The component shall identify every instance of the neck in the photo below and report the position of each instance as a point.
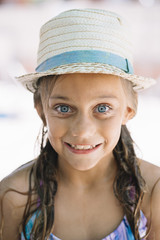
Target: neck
(103, 172)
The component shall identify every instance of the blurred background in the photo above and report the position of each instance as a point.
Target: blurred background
(20, 21)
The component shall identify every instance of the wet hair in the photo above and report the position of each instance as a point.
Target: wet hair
(129, 185)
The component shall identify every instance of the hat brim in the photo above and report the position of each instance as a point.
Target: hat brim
(29, 81)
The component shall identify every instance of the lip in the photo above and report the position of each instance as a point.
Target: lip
(82, 151)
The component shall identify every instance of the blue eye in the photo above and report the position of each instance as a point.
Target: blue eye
(103, 108)
(63, 108)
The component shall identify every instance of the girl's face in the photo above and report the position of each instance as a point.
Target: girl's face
(84, 117)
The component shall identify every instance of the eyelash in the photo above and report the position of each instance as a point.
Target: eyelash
(72, 110)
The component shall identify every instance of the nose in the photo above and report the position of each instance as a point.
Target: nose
(83, 127)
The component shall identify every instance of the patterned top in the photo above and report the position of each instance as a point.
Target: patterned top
(122, 232)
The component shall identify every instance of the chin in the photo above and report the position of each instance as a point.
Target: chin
(83, 167)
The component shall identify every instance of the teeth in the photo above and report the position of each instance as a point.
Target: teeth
(83, 147)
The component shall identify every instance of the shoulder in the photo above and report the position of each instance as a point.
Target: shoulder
(18, 180)
(13, 199)
(151, 205)
(150, 173)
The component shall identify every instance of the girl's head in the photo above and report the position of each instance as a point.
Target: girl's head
(84, 114)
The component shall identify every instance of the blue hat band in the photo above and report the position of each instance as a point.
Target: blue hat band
(86, 56)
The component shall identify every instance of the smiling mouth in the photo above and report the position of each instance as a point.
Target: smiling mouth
(83, 147)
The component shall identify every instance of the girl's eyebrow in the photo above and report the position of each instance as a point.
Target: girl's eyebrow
(59, 97)
(108, 96)
(67, 98)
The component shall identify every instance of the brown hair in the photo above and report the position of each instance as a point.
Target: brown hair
(129, 186)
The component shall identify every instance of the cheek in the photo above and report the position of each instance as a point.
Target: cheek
(56, 128)
(111, 130)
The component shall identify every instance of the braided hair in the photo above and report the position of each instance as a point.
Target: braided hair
(129, 185)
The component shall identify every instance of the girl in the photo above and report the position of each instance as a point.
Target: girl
(87, 183)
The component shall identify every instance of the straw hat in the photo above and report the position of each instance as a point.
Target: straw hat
(85, 41)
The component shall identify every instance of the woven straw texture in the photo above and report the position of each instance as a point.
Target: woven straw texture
(85, 29)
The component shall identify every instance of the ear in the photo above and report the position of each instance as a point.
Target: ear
(39, 108)
(129, 114)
